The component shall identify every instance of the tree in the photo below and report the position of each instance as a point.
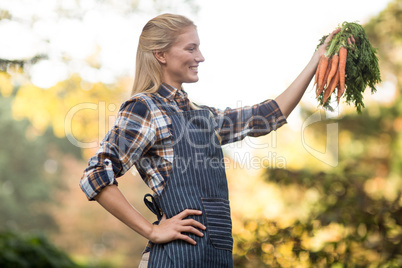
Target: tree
(73, 12)
(354, 219)
(29, 166)
(33, 251)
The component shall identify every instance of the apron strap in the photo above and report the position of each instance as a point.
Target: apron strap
(153, 206)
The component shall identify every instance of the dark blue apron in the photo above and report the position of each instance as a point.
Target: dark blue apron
(197, 181)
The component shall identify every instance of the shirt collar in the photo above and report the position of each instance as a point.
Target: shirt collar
(169, 92)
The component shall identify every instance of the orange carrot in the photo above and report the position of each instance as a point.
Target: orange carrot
(342, 65)
(331, 87)
(317, 72)
(321, 73)
(324, 86)
(327, 72)
(334, 68)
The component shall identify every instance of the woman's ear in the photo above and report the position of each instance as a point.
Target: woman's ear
(160, 56)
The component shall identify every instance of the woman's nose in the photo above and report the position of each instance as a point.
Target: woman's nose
(200, 57)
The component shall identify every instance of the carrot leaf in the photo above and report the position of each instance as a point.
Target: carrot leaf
(362, 69)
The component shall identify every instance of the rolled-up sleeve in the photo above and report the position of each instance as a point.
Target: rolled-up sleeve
(132, 135)
(257, 120)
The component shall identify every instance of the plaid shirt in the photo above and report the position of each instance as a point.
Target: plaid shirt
(141, 135)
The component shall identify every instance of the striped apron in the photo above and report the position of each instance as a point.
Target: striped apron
(197, 181)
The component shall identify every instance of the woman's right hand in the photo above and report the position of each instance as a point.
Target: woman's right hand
(173, 228)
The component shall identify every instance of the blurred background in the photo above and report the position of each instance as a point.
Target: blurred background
(322, 191)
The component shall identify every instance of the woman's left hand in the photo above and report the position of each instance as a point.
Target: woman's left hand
(323, 48)
(288, 100)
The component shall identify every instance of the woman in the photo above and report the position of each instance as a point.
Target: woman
(176, 147)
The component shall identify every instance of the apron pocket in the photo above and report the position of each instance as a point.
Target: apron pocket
(219, 223)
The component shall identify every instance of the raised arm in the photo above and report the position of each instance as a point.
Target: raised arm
(288, 99)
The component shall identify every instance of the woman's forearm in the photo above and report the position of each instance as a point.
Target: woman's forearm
(288, 99)
(113, 200)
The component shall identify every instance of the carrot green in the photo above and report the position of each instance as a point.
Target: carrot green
(362, 68)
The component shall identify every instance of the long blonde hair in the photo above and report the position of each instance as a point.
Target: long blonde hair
(158, 34)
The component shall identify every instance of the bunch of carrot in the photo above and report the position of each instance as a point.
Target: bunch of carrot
(330, 75)
(348, 66)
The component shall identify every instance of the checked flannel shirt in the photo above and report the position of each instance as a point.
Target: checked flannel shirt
(142, 130)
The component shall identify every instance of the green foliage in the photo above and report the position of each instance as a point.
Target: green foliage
(367, 230)
(385, 31)
(21, 163)
(358, 214)
(26, 187)
(362, 69)
(31, 251)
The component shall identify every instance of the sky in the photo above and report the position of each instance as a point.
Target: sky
(253, 49)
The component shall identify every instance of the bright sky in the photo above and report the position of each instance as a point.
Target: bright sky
(253, 49)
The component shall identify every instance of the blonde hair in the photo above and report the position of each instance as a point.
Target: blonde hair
(158, 34)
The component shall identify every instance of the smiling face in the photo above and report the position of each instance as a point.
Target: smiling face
(180, 63)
